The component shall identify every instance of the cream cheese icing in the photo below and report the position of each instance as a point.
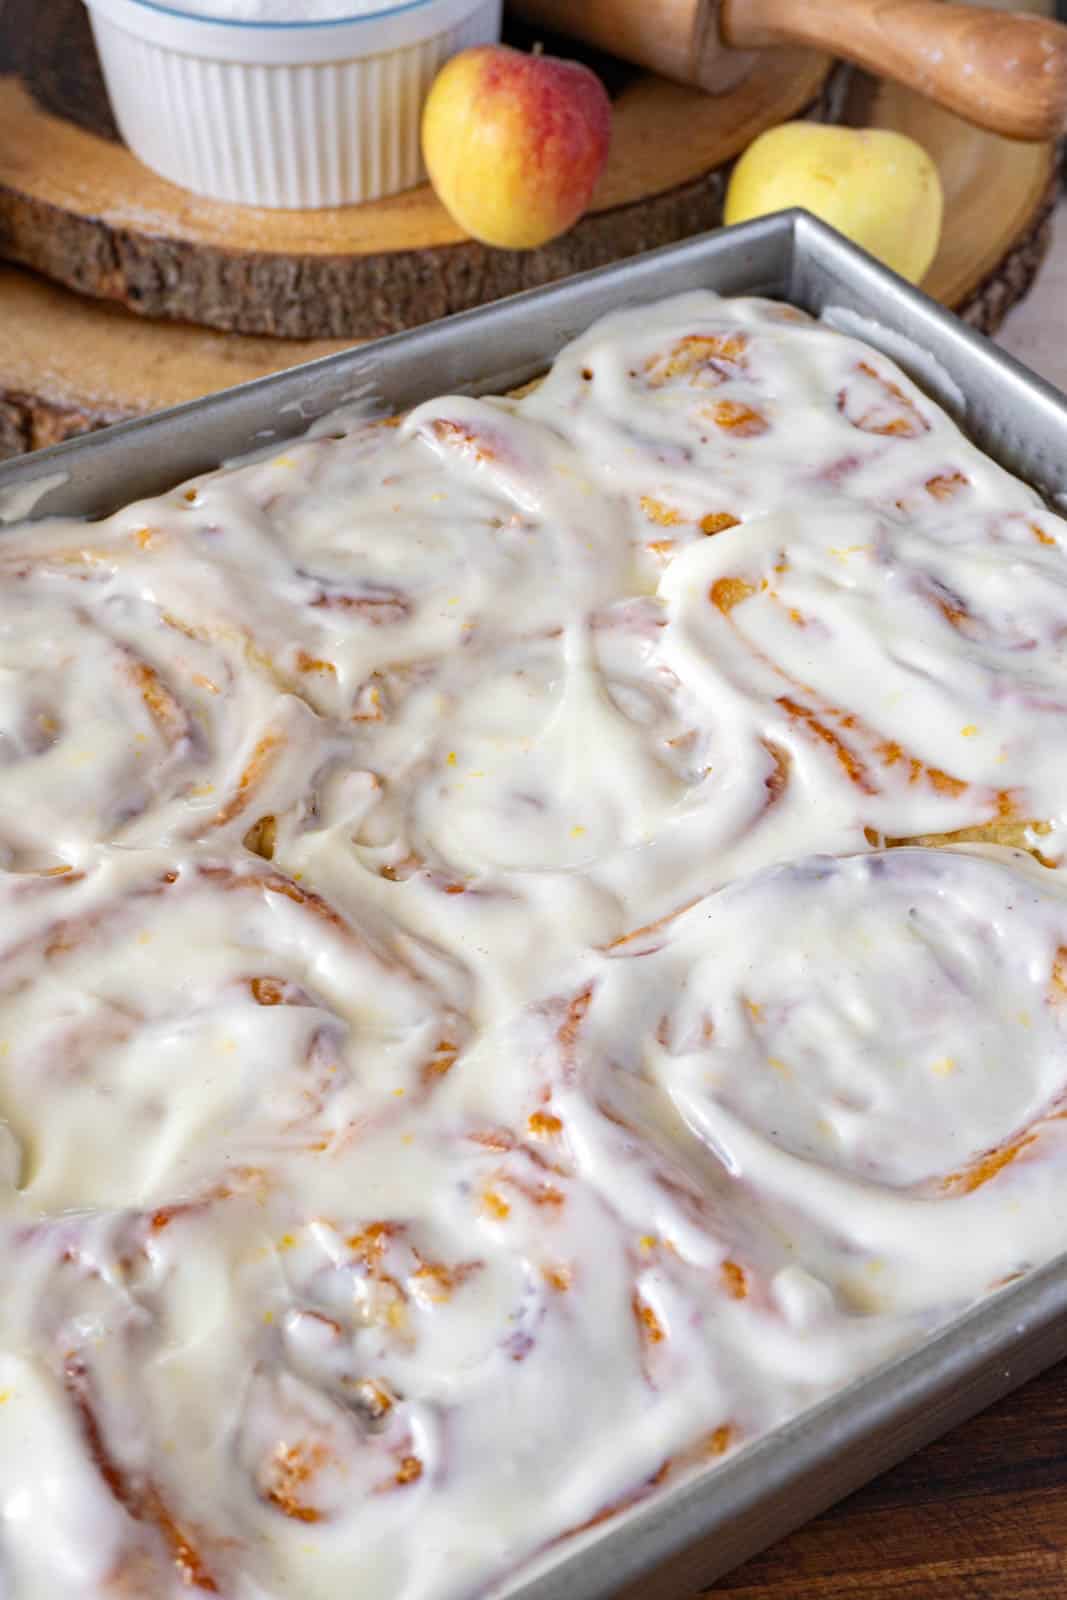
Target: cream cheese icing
(533, 948)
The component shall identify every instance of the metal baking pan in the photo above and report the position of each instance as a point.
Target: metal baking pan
(683, 1538)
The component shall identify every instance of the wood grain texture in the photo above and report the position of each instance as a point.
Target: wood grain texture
(83, 211)
(998, 196)
(66, 209)
(69, 364)
(979, 1515)
(78, 207)
(1009, 282)
(676, 38)
(1003, 71)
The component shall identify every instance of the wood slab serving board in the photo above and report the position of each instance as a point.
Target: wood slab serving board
(68, 363)
(76, 206)
(83, 210)
(133, 279)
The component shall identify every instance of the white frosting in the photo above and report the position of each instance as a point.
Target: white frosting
(578, 1088)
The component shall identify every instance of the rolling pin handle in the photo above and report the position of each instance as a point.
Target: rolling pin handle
(1003, 70)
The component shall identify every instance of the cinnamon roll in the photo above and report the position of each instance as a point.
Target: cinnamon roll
(873, 1045)
(533, 947)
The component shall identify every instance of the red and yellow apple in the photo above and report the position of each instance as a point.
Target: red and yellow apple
(514, 143)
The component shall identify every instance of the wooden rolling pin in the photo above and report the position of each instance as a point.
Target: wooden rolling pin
(1002, 70)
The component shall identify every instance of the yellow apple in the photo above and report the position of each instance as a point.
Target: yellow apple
(514, 143)
(878, 188)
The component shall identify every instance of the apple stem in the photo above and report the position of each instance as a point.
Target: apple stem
(538, 48)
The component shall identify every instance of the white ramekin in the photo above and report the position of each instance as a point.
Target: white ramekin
(282, 114)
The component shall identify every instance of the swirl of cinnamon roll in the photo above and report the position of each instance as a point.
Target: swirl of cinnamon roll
(373, 1123)
(951, 712)
(873, 1047)
(305, 1366)
(287, 1323)
(378, 549)
(701, 413)
(121, 722)
(215, 1012)
(547, 737)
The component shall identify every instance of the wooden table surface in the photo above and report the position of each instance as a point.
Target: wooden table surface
(979, 1515)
